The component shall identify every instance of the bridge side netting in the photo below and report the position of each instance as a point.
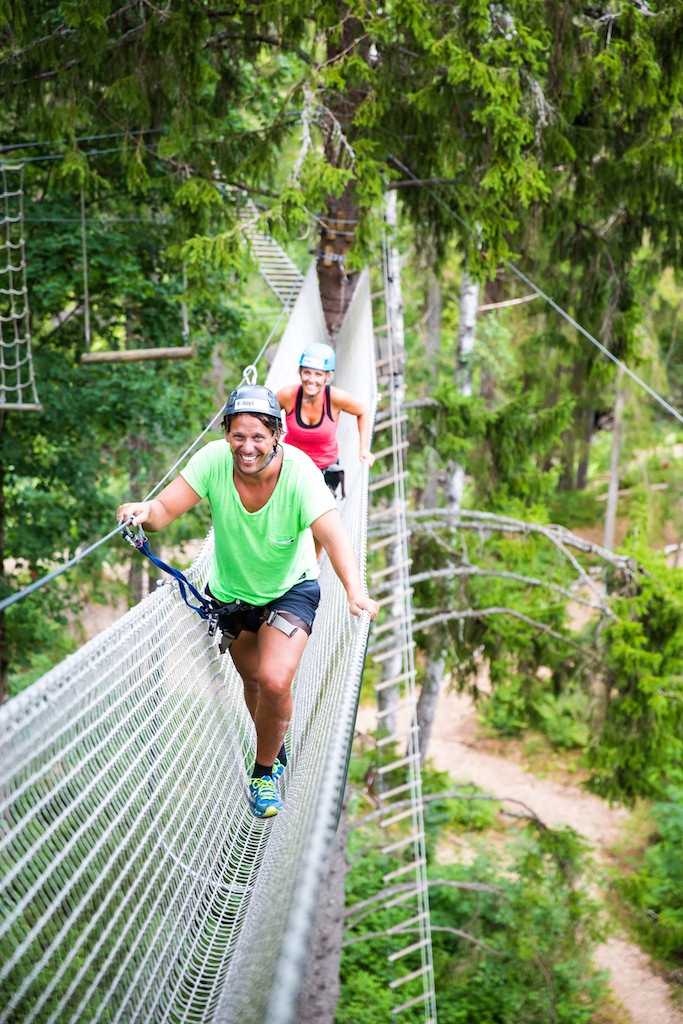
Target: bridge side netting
(135, 884)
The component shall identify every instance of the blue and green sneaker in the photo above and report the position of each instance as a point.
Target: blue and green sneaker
(263, 798)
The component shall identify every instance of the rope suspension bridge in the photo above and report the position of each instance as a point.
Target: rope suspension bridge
(135, 884)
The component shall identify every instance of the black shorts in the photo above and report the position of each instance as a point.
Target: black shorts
(300, 603)
(334, 476)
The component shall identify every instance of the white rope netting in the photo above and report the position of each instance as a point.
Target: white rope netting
(17, 383)
(135, 884)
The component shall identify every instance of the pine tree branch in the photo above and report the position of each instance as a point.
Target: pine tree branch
(62, 31)
(247, 37)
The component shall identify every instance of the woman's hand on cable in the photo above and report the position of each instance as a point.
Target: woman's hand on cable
(362, 603)
(134, 512)
(365, 455)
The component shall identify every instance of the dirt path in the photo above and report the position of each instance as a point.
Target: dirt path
(644, 995)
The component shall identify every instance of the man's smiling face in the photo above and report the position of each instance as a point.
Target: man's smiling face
(251, 443)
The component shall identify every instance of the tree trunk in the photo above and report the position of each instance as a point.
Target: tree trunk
(338, 224)
(588, 425)
(335, 282)
(136, 580)
(432, 347)
(571, 443)
(320, 988)
(469, 300)
(429, 695)
(493, 292)
(428, 700)
(613, 490)
(387, 697)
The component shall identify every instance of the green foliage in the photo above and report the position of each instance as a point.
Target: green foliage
(459, 813)
(521, 702)
(67, 468)
(535, 965)
(575, 509)
(512, 945)
(506, 449)
(655, 889)
(639, 741)
(37, 639)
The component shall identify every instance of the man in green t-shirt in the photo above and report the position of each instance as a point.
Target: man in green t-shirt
(264, 496)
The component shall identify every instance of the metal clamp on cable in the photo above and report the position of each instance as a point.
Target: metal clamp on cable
(136, 540)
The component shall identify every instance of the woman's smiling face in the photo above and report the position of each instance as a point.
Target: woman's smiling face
(313, 381)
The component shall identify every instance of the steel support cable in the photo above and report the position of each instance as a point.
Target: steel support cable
(36, 144)
(551, 302)
(103, 540)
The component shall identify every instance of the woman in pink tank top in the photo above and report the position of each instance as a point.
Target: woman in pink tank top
(312, 410)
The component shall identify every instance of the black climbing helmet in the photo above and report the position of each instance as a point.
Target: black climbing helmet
(256, 400)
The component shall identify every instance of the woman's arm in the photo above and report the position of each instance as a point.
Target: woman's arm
(175, 499)
(344, 401)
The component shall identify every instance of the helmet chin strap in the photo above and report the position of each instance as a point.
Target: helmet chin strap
(268, 460)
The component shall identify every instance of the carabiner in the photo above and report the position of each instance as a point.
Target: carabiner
(135, 540)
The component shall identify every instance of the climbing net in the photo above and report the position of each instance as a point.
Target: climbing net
(17, 383)
(135, 885)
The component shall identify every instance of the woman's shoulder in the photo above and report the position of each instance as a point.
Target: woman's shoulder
(345, 401)
(287, 395)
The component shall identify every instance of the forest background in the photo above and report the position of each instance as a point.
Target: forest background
(525, 141)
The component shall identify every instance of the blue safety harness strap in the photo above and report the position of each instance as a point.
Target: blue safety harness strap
(216, 613)
(205, 608)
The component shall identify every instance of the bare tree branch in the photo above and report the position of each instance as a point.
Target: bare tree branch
(419, 625)
(412, 183)
(474, 570)
(507, 302)
(449, 794)
(558, 535)
(395, 890)
(434, 928)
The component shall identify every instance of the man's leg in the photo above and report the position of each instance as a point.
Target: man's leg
(244, 653)
(267, 662)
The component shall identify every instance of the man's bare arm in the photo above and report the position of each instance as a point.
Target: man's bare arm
(329, 531)
(175, 499)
